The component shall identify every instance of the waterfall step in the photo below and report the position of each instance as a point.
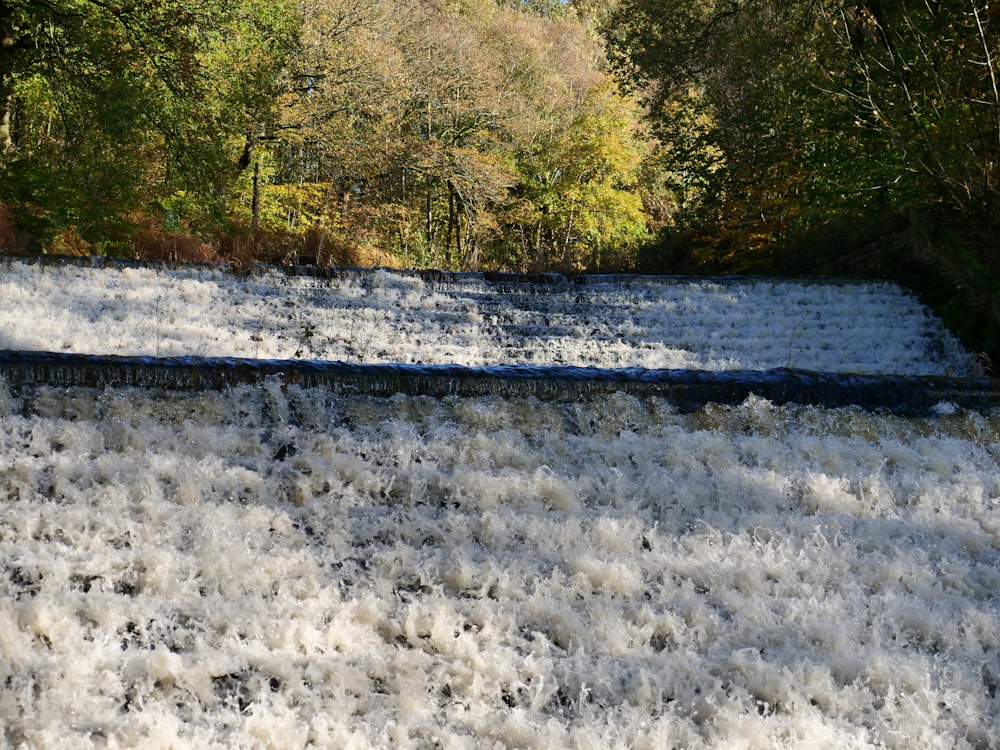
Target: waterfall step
(477, 320)
(685, 389)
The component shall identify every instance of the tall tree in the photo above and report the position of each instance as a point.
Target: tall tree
(921, 82)
(728, 85)
(449, 139)
(781, 116)
(108, 105)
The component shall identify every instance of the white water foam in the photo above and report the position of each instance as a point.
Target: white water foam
(868, 328)
(276, 567)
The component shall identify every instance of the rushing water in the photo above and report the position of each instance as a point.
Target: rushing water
(258, 553)
(382, 317)
(278, 566)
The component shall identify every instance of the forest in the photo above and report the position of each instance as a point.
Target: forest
(852, 137)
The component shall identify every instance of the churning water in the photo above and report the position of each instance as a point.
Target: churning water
(271, 565)
(467, 320)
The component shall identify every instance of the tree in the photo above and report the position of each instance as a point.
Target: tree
(108, 106)
(921, 83)
(780, 117)
(435, 142)
(453, 133)
(728, 86)
(579, 205)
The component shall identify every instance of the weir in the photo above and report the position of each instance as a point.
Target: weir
(473, 320)
(686, 389)
(213, 551)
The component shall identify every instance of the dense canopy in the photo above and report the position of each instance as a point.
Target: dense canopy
(520, 135)
(409, 132)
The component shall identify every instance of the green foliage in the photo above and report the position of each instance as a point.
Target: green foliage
(456, 134)
(110, 108)
(579, 204)
(778, 118)
(462, 135)
(477, 133)
(921, 83)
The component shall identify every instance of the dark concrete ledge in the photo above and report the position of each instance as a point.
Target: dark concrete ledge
(686, 389)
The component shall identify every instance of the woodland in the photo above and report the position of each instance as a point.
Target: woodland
(843, 137)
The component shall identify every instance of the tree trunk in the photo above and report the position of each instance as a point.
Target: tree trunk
(12, 41)
(255, 201)
(429, 229)
(451, 220)
(567, 237)
(7, 136)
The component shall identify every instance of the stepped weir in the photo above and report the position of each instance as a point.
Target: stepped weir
(685, 389)
(440, 510)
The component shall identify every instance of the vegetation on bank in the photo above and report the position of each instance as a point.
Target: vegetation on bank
(455, 134)
(853, 137)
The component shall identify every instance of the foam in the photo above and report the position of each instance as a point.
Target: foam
(867, 328)
(281, 567)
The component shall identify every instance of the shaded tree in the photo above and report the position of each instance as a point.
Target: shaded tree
(109, 106)
(780, 117)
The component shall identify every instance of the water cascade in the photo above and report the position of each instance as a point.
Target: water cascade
(380, 317)
(512, 551)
